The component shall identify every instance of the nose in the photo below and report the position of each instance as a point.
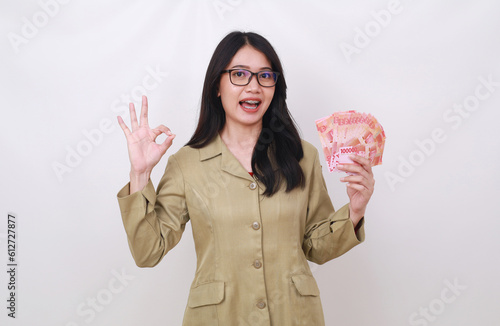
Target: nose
(253, 85)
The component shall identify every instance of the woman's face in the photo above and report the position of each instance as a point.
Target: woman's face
(246, 105)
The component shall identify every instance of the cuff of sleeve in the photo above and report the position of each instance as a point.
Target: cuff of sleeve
(357, 232)
(128, 201)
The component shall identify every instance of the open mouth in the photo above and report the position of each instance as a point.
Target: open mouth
(250, 104)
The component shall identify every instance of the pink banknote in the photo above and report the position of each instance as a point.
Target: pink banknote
(350, 132)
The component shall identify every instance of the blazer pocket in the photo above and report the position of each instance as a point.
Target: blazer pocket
(206, 294)
(306, 285)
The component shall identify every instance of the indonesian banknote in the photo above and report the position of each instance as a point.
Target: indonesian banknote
(350, 132)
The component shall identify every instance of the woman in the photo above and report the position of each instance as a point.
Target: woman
(254, 193)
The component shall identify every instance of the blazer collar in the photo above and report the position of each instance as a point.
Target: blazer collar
(212, 149)
(229, 163)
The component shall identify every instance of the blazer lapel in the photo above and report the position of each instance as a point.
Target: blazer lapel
(229, 163)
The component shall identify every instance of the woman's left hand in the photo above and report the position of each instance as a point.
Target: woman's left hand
(360, 185)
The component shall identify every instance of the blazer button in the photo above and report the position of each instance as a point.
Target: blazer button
(256, 225)
(253, 185)
(257, 264)
(261, 305)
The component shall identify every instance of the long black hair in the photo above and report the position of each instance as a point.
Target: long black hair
(278, 150)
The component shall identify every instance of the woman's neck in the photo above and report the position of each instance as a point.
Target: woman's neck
(241, 138)
(241, 143)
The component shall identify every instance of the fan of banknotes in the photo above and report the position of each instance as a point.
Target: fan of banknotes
(350, 132)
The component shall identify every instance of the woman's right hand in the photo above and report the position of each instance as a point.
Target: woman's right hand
(143, 151)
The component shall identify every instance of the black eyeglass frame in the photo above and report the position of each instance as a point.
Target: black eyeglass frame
(251, 76)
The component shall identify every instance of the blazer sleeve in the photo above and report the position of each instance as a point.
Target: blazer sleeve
(154, 221)
(328, 233)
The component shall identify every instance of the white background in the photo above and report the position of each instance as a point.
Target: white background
(433, 220)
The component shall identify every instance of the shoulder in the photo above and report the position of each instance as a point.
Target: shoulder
(310, 151)
(185, 157)
(183, 163)
(311, 165)
(308, 148)
(310, 160)
(186, 152)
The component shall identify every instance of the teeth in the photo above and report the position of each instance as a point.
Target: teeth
(250, 104)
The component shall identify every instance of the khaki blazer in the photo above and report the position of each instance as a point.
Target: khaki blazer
(251, 250)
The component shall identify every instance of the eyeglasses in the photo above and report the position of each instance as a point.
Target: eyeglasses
(242, 77)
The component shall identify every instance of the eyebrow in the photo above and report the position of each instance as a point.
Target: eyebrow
(247, 67)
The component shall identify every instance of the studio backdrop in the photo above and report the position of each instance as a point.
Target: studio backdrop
(427, 70)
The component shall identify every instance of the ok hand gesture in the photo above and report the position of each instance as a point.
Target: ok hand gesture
(144, 153)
